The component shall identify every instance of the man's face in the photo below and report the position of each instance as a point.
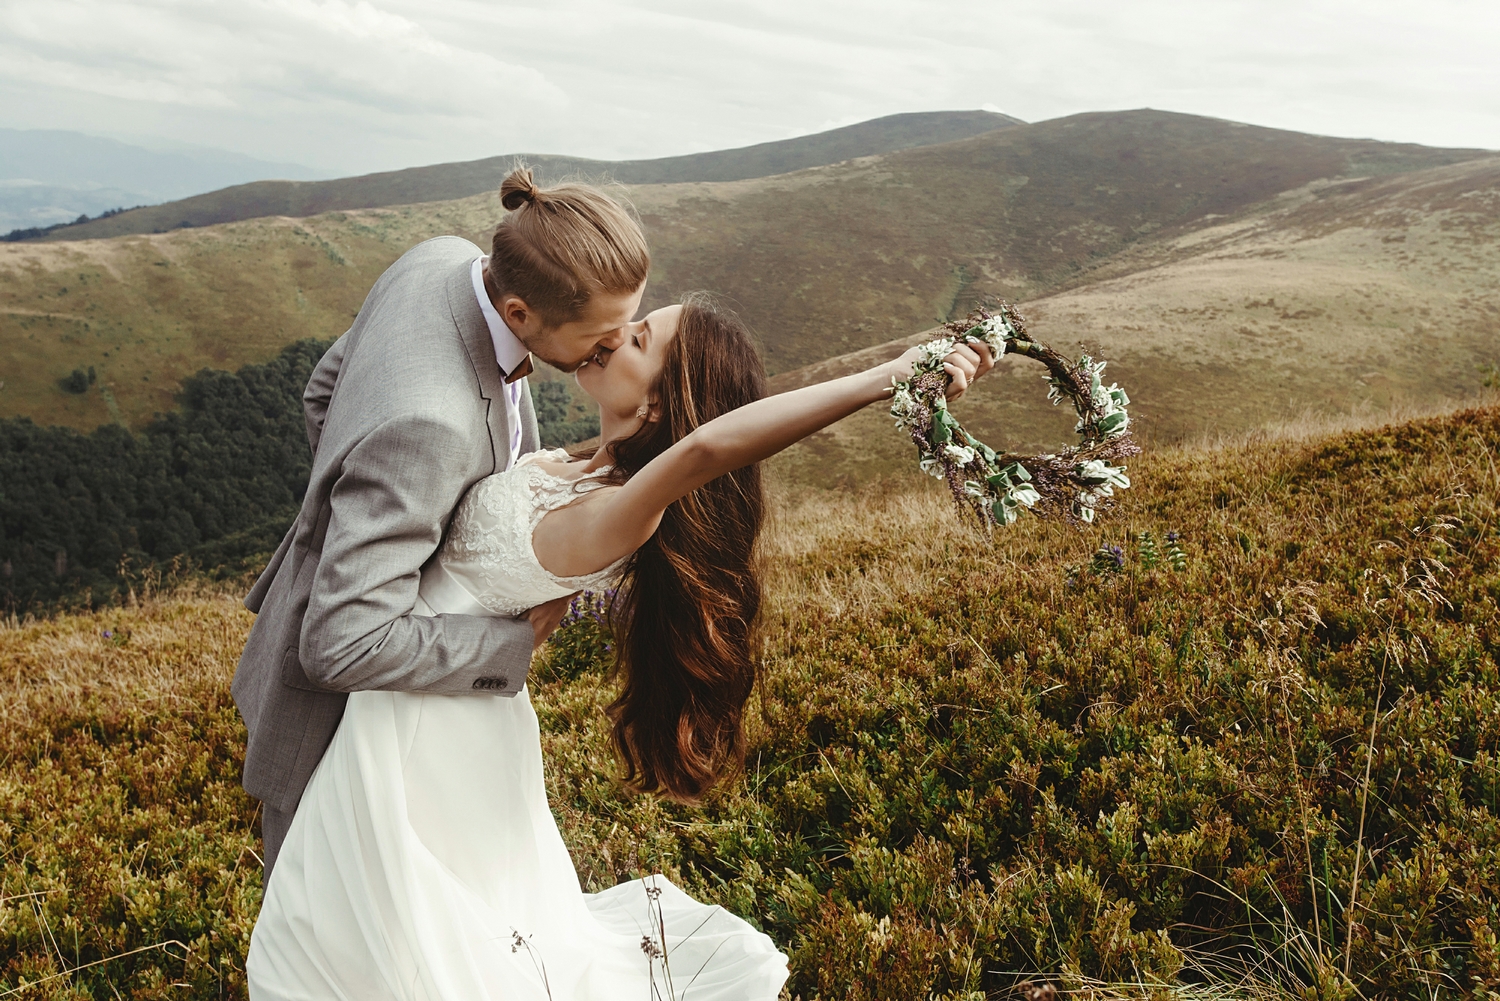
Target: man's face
(601, 325)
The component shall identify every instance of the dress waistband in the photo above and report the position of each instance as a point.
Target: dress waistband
(445, 595)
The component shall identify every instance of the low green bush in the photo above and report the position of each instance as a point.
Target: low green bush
(1253, 752)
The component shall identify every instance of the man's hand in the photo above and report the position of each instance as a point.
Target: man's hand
(544, 618)
(966, 362)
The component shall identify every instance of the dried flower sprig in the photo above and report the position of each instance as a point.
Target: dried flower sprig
(997, 487)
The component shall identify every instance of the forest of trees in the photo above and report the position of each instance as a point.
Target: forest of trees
(213, 485)
(216, 482)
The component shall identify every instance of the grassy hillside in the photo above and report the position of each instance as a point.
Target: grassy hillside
(447, 181)
(820, 262)
(856, 254)
(1360, 296)
(1274, 767)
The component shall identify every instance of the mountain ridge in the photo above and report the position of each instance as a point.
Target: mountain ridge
(835, 259)
(448, 181)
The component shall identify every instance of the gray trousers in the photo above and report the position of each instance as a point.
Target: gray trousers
(274, 824)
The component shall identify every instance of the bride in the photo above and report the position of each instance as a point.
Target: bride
(423, 861)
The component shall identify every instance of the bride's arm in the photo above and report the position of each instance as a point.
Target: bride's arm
(606, 531)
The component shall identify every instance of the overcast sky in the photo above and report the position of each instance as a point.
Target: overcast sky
(380, 84)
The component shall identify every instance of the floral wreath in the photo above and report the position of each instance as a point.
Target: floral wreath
(997, 487)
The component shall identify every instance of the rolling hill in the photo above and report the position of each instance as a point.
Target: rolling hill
(1368, 294)
(447, 181)
(1065, 215)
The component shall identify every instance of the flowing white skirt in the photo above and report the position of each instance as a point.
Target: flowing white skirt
(424, 864)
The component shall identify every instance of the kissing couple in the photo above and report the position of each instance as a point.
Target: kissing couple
(410, 853)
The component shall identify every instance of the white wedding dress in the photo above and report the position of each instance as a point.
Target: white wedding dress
(424, 864)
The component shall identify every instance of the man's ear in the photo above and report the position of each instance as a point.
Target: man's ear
(514, 311)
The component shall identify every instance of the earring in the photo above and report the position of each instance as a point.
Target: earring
(642, 412)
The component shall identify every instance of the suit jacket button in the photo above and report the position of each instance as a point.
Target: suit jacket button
(489, 684)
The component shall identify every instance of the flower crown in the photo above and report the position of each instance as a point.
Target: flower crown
(998, 487)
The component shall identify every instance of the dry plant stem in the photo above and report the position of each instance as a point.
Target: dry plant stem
(98, 962)
(1312, 883)
(1359, 841)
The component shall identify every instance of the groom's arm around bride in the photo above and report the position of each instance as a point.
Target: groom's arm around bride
(421, 398)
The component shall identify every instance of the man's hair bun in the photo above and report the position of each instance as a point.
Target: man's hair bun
(518, 189)
(558, 246)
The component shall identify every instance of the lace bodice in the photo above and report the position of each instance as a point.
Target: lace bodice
(487, 564)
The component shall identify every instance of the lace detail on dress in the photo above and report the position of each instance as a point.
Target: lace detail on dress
(488, 549)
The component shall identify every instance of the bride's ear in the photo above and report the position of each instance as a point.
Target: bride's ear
(650, 413)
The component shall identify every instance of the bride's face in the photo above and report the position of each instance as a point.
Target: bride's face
(620, 381)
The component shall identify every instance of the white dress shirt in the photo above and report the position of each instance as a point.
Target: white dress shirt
(509, 353)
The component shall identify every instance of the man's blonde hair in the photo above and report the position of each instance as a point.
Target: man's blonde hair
(561, 245)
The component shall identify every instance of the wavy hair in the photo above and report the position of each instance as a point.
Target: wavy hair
(686, 609)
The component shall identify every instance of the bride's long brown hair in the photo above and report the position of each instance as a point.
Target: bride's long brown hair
(686, 608)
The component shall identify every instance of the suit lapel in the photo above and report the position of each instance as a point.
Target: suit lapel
(476, 337)
(530, 439)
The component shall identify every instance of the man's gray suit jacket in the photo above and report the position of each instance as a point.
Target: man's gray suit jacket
(404, 413)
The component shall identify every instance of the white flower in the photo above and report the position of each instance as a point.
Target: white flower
(931, 466)
(1107, 477)
(995, 332)
(933, 353)
(903, 407)
(960, 454)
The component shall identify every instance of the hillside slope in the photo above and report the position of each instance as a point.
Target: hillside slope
(820, 262)
(1367, 294)
(447, 181)
(840, 258)
(1269, 771)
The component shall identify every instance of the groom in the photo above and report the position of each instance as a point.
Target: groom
(424, 395)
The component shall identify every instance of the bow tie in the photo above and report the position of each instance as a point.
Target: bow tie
(521, 371)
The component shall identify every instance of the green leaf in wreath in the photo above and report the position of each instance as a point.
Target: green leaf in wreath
(1113, 422)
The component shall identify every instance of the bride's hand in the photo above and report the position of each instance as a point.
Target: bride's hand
(966, 362)
(546, 617)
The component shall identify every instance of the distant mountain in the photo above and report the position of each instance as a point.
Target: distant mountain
(834, 259)
(49, 176)
(446, 181)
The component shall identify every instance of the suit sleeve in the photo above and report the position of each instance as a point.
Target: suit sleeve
(387, 515)
(319, 391)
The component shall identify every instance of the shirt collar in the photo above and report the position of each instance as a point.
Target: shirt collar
(509, 351)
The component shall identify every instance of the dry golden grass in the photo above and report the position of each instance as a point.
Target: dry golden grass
(163, 651)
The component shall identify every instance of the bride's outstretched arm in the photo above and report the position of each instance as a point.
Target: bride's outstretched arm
(622, 524)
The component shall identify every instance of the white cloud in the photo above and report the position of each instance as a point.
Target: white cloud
(386, 83)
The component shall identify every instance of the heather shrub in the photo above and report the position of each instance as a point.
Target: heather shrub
(1255, 748)
(128, 851)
